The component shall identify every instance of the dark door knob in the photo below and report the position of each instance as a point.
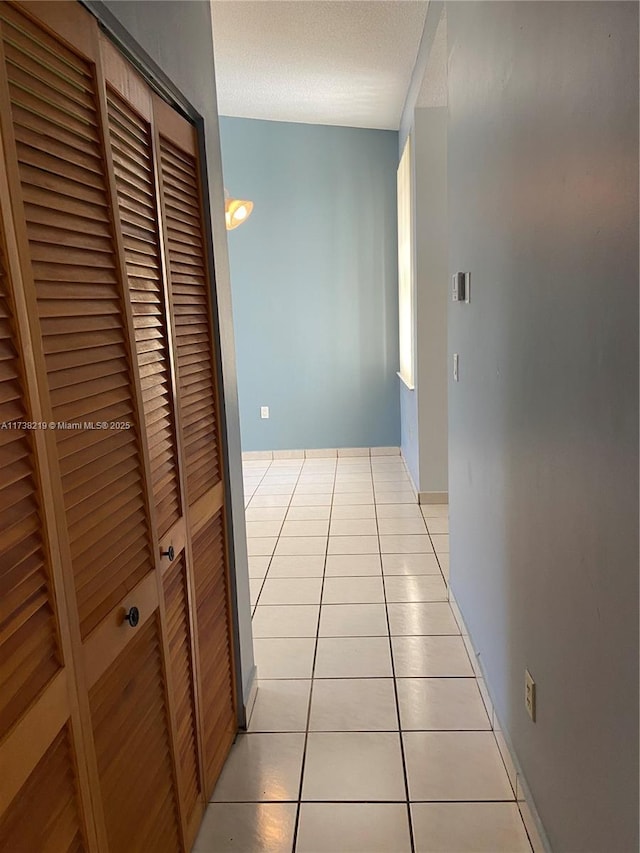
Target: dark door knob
(132, 616)
(170, 553)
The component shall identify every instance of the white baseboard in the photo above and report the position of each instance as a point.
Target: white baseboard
(253, 695)
(322, 453)
(433, 497)
(530, 816)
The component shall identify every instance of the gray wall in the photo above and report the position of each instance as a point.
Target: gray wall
(423, 410)
(315, 283)
(178, 37)
(543, 200)
(432, 292)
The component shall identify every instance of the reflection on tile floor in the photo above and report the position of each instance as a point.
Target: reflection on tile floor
(369, 733)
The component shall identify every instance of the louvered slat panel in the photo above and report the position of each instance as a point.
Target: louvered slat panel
(132, 748)
(190, 293)
(62, 172)
(44, 815)
(133, 166)
(219, 723)
(29, 651)
(179, 634)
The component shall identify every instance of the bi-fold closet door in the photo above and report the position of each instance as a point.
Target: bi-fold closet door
(113, 730)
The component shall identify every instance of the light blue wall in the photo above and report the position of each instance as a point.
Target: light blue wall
(314, 283)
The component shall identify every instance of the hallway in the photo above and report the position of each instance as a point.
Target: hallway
(369, 733)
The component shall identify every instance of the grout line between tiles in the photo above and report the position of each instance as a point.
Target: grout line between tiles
(397, 700)
(313, 670)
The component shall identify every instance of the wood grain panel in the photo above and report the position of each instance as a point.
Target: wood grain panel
(179, 631)
(68, 217)
(29, 647)
(131, 733)
(192, 317)
(216, 673)
(133, 165)
(44, 816)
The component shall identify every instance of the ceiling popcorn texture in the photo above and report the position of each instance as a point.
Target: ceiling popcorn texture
(335, 62)
(433, 92)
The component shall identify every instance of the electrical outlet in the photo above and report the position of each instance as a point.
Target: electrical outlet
(456, 369)
(530, 694)
(264, 412)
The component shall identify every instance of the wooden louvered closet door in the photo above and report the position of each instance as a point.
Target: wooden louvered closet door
(200, 427)
(134, 155)
(117, 699)
(113, 730)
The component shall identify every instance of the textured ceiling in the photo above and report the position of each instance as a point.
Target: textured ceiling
(433, 91)
(340, 62)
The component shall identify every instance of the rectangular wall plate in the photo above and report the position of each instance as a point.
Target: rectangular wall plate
(457, 286)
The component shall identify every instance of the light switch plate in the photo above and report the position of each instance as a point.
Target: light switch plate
(264, 411)
(456, 370)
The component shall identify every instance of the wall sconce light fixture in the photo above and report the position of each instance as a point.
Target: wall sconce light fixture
(236, 211)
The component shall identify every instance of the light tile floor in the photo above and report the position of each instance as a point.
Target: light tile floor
(369, 733)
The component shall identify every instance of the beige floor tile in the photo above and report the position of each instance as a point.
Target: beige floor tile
(404, 497)
(296, 546)
(266, 513)
(399, 511)
(394, 526)
(353, 620)
(352, 498)
(313, 488)
(280, 479)
(399, 588)
(353, 766)
(360, 704)
(281, 706)
(243, 827)
(353, 828)
(443, 560)
(261, 767)
(354, 527)
(266, 488)
(311, 500)
(405, 544)
(305, 528)
(430, 657)
(353, 590)
(437, 525)
(258, 566)
(269, 501)
(284, 658)
(410, 564)
(291, 591)
(358, 511)
(417, 618)
(455, 766)
(435, 510)
(360, 657)
(353, 545)
(440, 543)
(468, 828)
(263, 528)
(283, 620)
(262, 546)
(255, 585)
(353, 565)
(303, 566)
(344, 486)
(441, 704)
(309, 513)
